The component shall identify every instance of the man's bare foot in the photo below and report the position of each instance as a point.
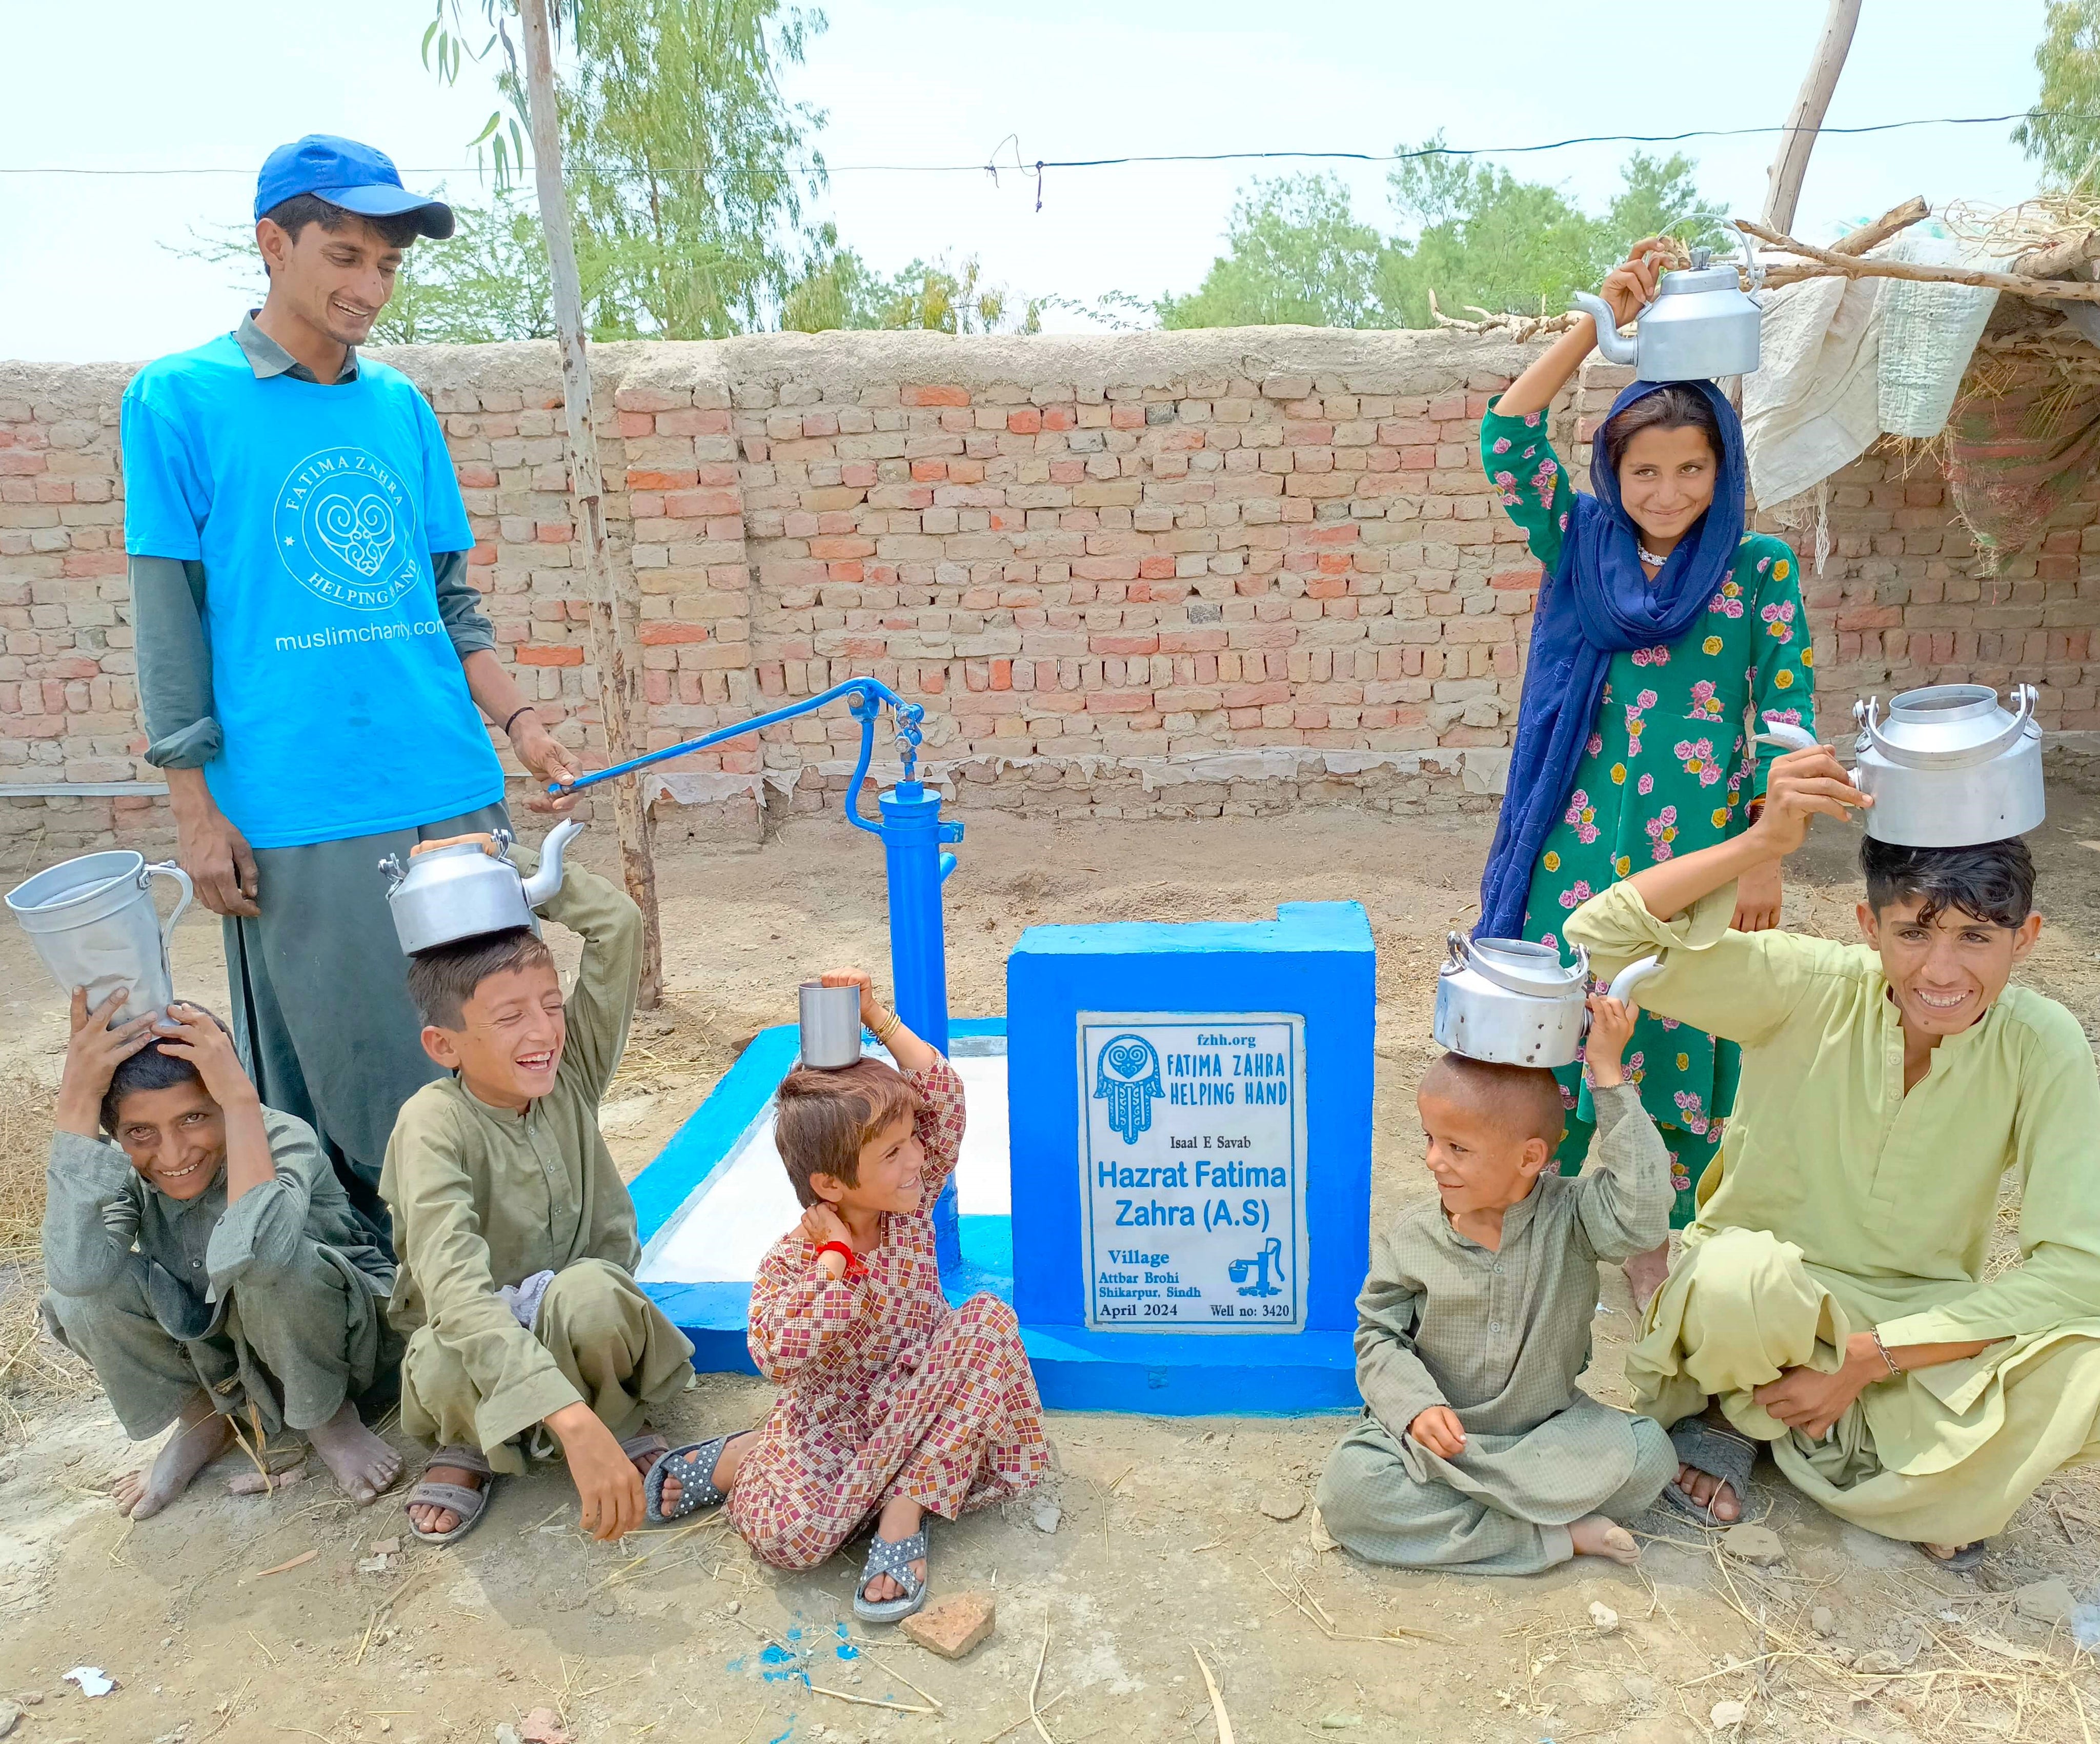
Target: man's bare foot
(1645, 1273)
(430, 1517)
(900, 1519)
(1596, 1536)
(1709, 1492)
(727, 1464)
(201, 1435)
(363, 1464)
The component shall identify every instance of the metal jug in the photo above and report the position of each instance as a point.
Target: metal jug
(1513, 1003)
(1951, 767)
(460, 892)
(830, 1025)
(92, 920)
(1700, 324)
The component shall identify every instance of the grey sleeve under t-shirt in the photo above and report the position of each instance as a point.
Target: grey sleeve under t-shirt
(174, 655)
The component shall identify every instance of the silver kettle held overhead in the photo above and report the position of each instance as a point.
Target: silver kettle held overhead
(1700, 326)
(1513, 1003)
(461, 890)
(1950, 768)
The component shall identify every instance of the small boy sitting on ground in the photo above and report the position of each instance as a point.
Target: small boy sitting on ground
(516, 1234)
(207, 1264)
(1479, 1453)
(892, 1405)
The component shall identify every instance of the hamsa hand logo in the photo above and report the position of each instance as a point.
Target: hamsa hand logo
(1126, 1078)
(360, 531)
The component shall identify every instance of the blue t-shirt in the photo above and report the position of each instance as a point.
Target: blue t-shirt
(313, 511)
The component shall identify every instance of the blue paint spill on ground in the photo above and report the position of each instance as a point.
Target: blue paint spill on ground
(782, 1666)
(846, 1650)
(788, 1734)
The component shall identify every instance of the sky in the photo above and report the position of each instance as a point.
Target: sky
(207, 87)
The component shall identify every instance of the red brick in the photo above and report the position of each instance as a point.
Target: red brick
(1025, 422)
(541, 654)
(930, 395)
(695, 506)
(658, 634)
(1118, 701)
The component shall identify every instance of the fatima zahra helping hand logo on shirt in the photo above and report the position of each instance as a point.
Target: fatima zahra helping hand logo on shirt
(345, 528)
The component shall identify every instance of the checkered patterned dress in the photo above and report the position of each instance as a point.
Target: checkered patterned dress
(884, 1389)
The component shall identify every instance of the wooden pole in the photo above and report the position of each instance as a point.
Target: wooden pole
(612, 619)
(1783, 191)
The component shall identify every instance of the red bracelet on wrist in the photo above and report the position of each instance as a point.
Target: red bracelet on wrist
(839, 1248)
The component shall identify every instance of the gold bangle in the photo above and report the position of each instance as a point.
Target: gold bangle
(884, 1031)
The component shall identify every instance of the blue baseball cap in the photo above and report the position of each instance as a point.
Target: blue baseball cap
(346, 174)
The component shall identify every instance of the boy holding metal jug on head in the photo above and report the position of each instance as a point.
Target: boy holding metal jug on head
(1479, 1454)
(526, 1331)
(893, 1406)
(206, 1263)
(1660, 619)
(1832, 1303)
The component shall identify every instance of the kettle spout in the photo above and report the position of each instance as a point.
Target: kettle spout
(548, 880)
(1611, 344)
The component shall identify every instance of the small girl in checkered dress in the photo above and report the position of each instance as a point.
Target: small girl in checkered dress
(893, 1405)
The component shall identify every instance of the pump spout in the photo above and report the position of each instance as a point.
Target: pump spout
(548, 880)
(1612, 345)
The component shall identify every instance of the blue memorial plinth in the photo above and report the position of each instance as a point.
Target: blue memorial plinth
(1190, 1119)
(1166, 1170)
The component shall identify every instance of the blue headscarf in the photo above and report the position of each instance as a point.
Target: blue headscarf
(1598, 602)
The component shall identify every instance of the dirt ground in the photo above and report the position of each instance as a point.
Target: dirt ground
(237, 1619)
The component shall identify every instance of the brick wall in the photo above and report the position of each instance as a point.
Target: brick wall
(1144, 574)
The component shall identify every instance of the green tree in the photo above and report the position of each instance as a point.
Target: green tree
(685, 165)
(2067, 138)
(839, 289)
(1470, 231)
(1296, 255)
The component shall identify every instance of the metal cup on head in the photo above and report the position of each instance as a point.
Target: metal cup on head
(830, 1025)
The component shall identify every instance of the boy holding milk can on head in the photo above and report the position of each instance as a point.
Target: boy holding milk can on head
(1479, 1453)
(893, 1405)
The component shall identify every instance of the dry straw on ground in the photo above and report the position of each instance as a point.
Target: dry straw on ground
(30, 1363)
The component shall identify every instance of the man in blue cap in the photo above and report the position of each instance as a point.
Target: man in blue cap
(311, 650)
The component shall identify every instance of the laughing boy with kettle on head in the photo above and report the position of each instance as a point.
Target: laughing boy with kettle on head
(527, 1334)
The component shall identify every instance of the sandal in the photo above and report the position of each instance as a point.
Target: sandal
(1719, 1449)
(894, 1558)
(467, 1504)
(648, 1442)
(1964, 1558)
(694, 1466)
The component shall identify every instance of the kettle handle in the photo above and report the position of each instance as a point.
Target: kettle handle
(169, 869)
(1753, 269)
(1866, 713)
(1786, 732)
(1456, 955)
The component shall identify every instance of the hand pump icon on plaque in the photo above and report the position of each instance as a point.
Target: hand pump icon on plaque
(1271, 1257)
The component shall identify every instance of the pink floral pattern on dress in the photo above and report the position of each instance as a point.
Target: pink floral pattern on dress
(1582, 815)
(1698, 759)
(1779, 620)
(1651, 657)
(1662, 831)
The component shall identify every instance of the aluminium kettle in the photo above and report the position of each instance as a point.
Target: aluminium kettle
(1513, 1003)
(461, 890)
(1950, 768)
(1700, 324)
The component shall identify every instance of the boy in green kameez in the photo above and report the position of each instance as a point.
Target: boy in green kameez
(516, 1234)
(1832, 1303)
(1479, 1453)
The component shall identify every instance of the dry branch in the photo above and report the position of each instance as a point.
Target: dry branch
(2046, 290)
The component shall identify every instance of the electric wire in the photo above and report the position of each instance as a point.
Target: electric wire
(1037, 167)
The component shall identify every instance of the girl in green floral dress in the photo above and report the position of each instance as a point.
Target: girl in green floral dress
(1632, 742)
